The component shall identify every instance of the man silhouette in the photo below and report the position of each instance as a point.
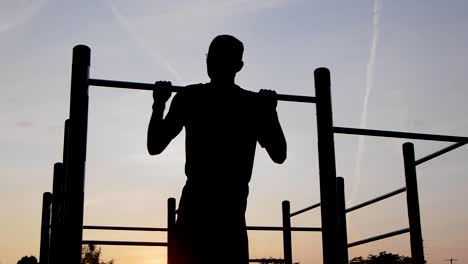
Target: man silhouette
(223, 124)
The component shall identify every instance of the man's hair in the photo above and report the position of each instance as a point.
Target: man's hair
(226, 47)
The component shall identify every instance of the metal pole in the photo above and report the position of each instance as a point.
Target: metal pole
(58, 206)
(76, 156)
(171, 220)
(287, 244)
(417, 251)
(342, 229)
(56, 231)
(45, 223)
(327, 170)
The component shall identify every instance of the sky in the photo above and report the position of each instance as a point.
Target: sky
(395, 65)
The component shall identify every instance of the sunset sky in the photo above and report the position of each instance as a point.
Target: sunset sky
(395, 65)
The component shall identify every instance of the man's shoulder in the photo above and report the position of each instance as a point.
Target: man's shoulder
(192, 89)
(189, 91)
(244, 91)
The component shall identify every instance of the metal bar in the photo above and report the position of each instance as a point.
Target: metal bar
(372, 239)
(171, 221)
(414, 218)
(157, 229)
(126, 228)
(150, 87)
(124, 243)
(76, 157)
(280, 228)
(397, 134)
(280, 261)
(45, 235)
(327, 167)
(380, 198)
(440, 152)
(287, 244)
(342, 229)
(305, 209)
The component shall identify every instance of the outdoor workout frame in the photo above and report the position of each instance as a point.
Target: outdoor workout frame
(72, 169)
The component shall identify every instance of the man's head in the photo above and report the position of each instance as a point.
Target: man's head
(224, 58)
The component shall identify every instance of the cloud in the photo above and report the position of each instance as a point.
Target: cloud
(24, 124)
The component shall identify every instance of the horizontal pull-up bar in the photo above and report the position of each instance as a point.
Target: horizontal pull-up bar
(162, 229)
(380, 198)
(150, 87)
(397, 134)
(279, 228)
(124, 243)
(280, 261)
(440, 152)
(125, 228)
(372, 239)
(305, 210)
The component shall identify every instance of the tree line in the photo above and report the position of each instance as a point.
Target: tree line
(92, 255)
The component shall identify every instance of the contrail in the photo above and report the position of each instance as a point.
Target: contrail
(28, 9)
(369, 84)
(156, 56)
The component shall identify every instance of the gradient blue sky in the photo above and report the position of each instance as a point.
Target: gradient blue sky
(411, 56)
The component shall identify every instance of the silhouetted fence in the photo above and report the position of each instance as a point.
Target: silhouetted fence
(64, 241)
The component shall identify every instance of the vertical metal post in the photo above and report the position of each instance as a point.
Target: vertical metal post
(417, 251)
(287, 244)
(45, 224)
(342, 229)
(76, 156)
(56, 230)
(171, 220)
(66, 136)
(58, 208)
(327, 169)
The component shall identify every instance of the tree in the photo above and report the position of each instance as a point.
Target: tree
(382, 258)
(91, 255)
(27, 260)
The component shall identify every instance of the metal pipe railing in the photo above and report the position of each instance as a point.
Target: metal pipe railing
(380, 198)
(279, 228)
(162, 229)
(305, 210)
(397, 134)
(150, 87)
(279, 261)
(379, 237)
(124, 243)
(125, 228)
(440, 152)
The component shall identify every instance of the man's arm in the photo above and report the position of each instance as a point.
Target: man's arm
(271, 134)
(161, 130)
